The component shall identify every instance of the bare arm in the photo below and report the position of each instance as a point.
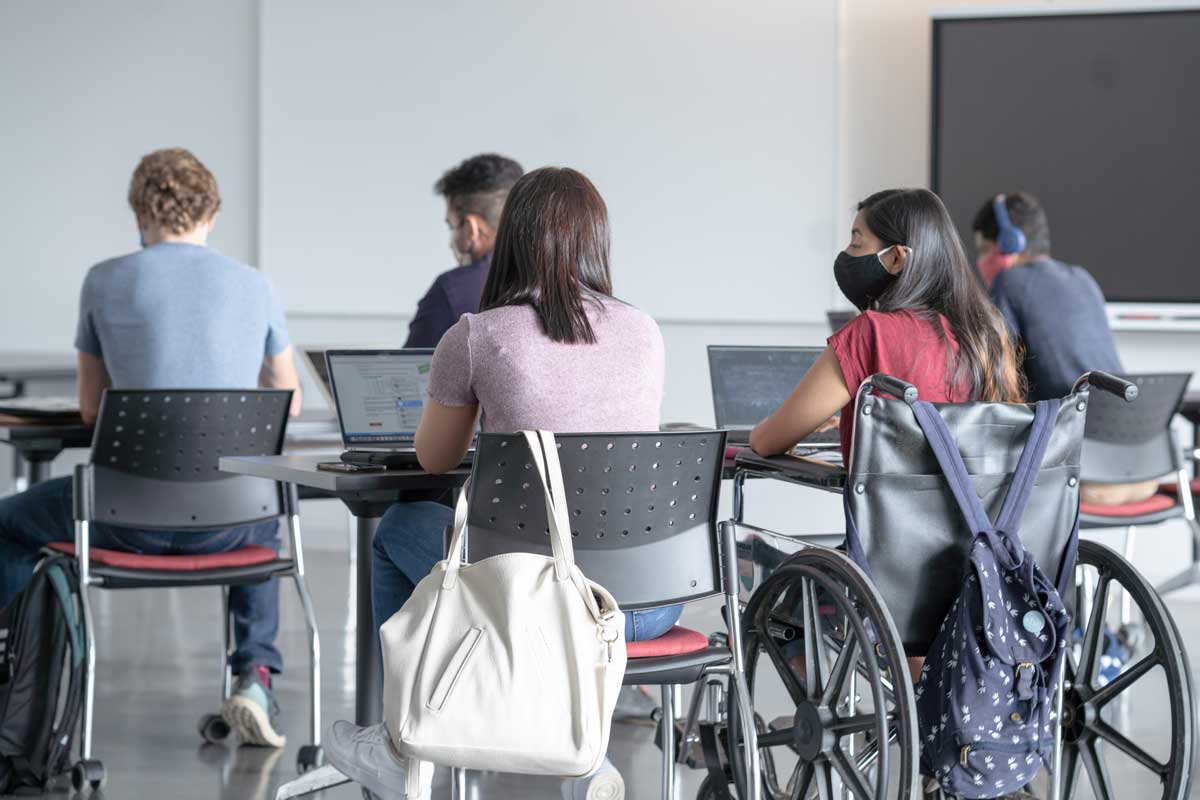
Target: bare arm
(821, 393)
(444, 435)
(93, 380)
(279, 372)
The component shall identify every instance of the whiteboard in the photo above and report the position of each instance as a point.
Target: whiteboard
(709, 128)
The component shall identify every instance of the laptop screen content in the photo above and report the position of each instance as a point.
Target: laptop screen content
(380, 395)
(748, 383)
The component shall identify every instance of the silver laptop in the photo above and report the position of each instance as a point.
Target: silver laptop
(379, 396)
(749, 383)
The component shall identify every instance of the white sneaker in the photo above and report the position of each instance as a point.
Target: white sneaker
(366, 756)
(605, 783)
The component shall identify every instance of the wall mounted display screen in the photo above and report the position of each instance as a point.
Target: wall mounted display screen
(1096, 114)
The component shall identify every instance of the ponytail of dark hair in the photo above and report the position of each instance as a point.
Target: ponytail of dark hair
(938, 279)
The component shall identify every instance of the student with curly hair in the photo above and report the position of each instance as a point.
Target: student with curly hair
(174, 314)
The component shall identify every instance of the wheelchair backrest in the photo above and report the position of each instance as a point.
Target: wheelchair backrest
(913, 532)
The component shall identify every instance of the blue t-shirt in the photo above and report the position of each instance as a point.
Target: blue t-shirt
(179, 316)
(1057, 310)
(453, 294)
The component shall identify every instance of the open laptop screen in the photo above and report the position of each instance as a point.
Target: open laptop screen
(380, 394)
(748, 383)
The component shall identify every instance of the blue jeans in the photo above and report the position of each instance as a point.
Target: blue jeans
(410, 541)
(43, 514)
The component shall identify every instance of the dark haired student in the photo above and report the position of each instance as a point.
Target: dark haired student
(550, 349)
(475, 192)
(1056, 309)
(925, 319)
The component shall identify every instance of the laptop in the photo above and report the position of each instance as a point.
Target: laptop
(839, 319)
(41, 408)
(379, 396)
(315, 356)
(748, 383)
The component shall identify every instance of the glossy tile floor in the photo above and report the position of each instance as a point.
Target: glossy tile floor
(158, 673)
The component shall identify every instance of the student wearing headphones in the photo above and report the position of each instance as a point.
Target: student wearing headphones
(1055, 309)
(925, 320)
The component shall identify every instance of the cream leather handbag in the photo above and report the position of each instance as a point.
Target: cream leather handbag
(511, 664)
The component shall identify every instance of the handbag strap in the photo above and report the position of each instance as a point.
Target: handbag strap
(544, 452)
(945, 450)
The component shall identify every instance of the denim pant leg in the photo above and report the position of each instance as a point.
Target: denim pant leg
(407, 545)
(254, 607)
(652, 623)
(28, 522)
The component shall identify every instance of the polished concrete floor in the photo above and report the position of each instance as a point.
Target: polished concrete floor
(158, 673)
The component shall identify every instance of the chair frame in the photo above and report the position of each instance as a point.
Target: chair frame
(722, 546)
(286, 505)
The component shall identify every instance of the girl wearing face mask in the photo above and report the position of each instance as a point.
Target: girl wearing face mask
(925, 320)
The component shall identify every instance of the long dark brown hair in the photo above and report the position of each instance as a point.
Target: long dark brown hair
(938, 279)
(552, 252)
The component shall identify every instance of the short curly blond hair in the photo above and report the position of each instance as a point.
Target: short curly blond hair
(173, 191)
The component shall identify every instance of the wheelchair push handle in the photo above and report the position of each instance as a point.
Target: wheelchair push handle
(894, 386)
(1109, 383)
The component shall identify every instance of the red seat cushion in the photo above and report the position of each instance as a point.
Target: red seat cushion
(242, 557)
(1152, 504)
(674, 642)
(1172, 488)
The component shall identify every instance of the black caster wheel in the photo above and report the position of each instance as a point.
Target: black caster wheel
(87, 774)
(309, 758)
(213, 728)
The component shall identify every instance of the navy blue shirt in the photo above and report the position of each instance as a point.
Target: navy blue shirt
(1057, 310)
(453, 294)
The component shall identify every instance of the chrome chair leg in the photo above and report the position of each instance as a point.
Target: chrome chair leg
(669, 784)
(89, 678)
(226, 646)
(1127, 550)
(314, 637)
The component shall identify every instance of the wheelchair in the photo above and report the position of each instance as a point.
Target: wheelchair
(830, 642)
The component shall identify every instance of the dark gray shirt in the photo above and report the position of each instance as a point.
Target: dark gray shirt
(176, 316)
(1057, 310)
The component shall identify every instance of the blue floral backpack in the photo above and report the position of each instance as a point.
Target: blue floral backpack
(985, 700)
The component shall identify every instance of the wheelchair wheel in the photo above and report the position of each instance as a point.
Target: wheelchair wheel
(1117, 693)
(818, 638)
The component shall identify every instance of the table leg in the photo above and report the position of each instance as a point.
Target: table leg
(38, 471)
(368, 678)
(20, 482)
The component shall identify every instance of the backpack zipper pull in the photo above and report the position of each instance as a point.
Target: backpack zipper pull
(964, 754)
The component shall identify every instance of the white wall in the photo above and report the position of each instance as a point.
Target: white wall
(86, 89)
(707, 127)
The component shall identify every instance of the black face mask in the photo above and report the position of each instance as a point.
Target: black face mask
(862, 279)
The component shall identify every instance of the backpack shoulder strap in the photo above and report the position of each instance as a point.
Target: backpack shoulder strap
(1025, 476)
(945, 450)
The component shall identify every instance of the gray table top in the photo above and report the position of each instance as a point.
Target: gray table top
(22, 366)
(301, 469)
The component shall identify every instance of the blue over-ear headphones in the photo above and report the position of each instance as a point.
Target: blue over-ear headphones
(1009, 238)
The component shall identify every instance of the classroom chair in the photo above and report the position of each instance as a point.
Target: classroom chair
(154, 466)
(643, 509)
(1133, 442)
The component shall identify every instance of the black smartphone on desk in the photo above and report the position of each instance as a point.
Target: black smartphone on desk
(342, 466)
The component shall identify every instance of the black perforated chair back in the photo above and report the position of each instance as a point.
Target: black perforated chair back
(910, 525)
(1131, 442)
(643, 509)
(155, 452)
